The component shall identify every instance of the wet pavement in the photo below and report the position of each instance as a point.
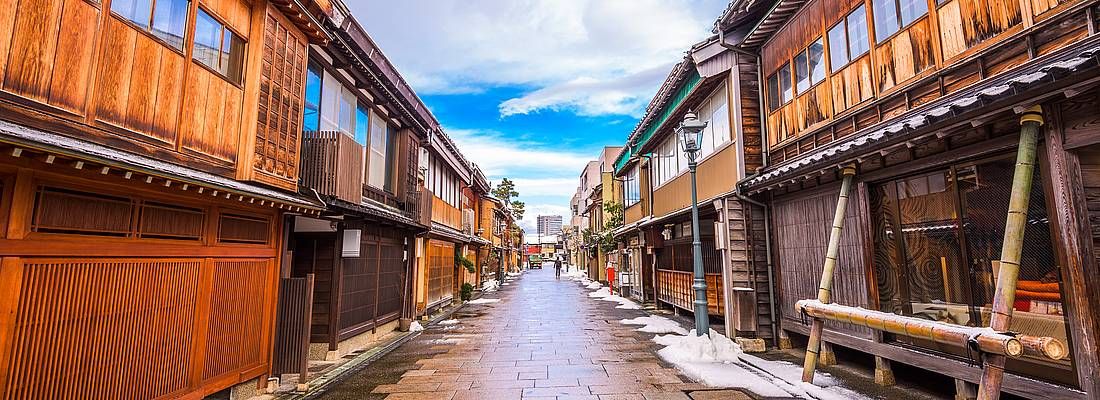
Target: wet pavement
(544, 339)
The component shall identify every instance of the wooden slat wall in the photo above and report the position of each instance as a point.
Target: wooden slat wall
(43, 60)
(332, 163)
(282, 76)
(127, 327)
(674, 288)
(748, 258)
(900, 73)
(801, 230)
(714, 178)
(292, 325)
(441, 260)
(446, 214)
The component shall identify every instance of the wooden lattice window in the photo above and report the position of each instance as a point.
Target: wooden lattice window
(282, 76)
(166, 221)
(236, 228)
(59, 210)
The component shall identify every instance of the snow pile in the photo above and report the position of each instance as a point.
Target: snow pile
(490, 285)
(483, 301)
(624, 303)
(415, 327)
(513, 274)
(449, 322)
(655, 324)
(594, 285)
(715, 360)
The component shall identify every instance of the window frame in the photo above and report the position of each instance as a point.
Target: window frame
(239, 81)
(809, 71)
(898, 20)
(147, 30)
(310, 68)
(846, 26)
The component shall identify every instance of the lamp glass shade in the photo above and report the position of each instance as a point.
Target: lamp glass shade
(691, 132)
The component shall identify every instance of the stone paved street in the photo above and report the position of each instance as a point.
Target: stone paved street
(544, 339)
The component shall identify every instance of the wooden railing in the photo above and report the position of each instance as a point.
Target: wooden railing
(418, 206)
(446, 214)
(674, 288)
(332, 164)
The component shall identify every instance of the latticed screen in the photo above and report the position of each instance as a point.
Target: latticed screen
(234, 228)
(938, 240)
(280, 107)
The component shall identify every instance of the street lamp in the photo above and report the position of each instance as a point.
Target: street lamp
(690, 132)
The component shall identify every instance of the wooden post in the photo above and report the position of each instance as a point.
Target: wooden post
(826, 356)
(884, 372)
(824, 291)
(1011, 249)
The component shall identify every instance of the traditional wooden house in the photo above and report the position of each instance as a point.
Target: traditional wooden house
(150, 157)
(362, 127)
(926, 103)
(448, 177)
(494, 223)
(718, 85)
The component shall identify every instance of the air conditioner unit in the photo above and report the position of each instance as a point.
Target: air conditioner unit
(468, 221)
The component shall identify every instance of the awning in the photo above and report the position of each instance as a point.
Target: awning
(1025, 80)
(377, 210)
(55, 144)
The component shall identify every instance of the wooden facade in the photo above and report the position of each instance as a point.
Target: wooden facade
(923, 225)
(135, 231)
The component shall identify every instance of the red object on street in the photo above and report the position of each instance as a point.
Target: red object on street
(611, 280)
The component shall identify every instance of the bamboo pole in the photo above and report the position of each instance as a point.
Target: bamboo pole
(824, 291)
(987, 340)
(1012, 248)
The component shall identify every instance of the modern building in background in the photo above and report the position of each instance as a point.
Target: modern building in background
(549, 225)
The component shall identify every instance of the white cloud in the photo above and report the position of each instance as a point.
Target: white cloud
(594, 57)
(500, 155)
(530, 220)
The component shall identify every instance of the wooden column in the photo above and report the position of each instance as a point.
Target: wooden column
(1011, 249)
(884, 372)
(824, 291)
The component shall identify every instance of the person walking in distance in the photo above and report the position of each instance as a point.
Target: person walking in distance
(557, 267)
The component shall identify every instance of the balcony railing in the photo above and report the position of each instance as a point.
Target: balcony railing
(418, 206)
(332, 164)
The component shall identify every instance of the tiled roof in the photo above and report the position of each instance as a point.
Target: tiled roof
(1028, 79)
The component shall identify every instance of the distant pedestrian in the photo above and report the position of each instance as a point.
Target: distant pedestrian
(557, 267)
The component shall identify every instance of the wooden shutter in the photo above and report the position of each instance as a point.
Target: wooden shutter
(282, 80)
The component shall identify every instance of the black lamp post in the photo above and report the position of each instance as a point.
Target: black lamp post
(690, 132)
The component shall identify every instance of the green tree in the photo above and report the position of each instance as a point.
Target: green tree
(506, 192)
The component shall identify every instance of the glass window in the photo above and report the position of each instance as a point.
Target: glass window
(631, 190)
(938, 239)
(379, 145)
(801, 72)
(892, 15)
(816, 58)
(838, 46)
(166, 19)
(137, 11)
(346, 118)
(218, 48)
(169, 21)
(774, 100)
(785, 83)
(362, 123)
(311, 116)
(911, 10)
(858, 39)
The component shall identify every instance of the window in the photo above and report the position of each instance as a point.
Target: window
(858, 38)
(631, 189)
(362, 123)
(379, 163)
(848, 39)
(311, 116)
(779, 87)
(785, 83)
(892, 15)
(774, 100)
(667, 161)
(346, 116)
(165, 19)
(938, 239)
(809, 66)
(715, 112)
(218, 48)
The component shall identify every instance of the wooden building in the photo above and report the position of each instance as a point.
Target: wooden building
(362, 127)
(718, 85)
(150, 155)
(925, 99)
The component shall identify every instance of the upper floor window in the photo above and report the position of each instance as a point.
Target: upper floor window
(311, 116)
(218, 48)
(809, 66)
(779, 87)
(848, 39)
(666, 162)
(631, 188)
(715, 112)
(165, 19)
(892, 15)
(379, 160)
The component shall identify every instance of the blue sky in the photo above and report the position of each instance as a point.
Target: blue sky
(533, 89)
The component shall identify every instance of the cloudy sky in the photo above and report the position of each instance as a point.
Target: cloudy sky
(533, 89)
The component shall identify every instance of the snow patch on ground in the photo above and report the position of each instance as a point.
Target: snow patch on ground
(656, 324)
(715, 360)
(490, 285)
(483, 301)
(513, 274)
(449, 322)
(594, 285)
(415, 327)
(624, 303)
